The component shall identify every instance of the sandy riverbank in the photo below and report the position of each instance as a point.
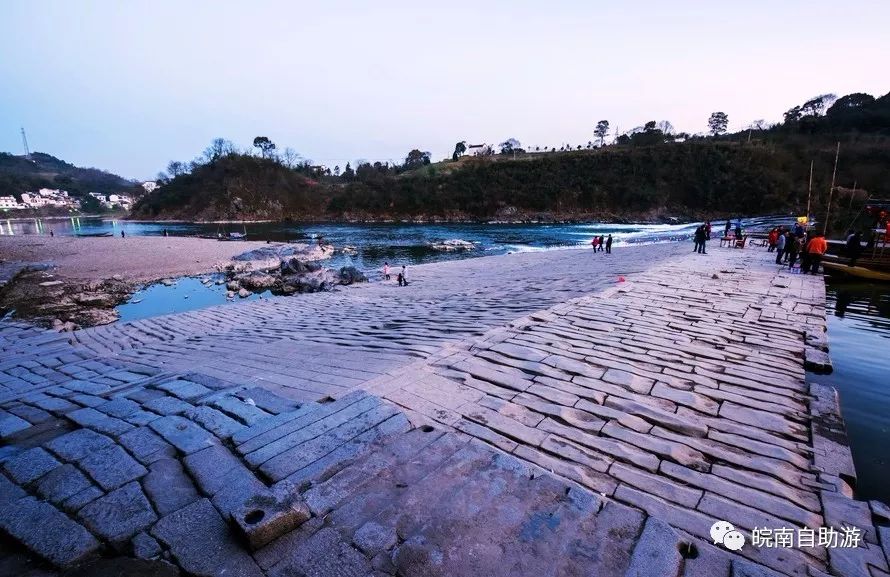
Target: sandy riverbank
(137, 259)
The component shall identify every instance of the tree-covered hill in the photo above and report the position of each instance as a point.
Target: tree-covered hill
(649, 172)
(19, 174)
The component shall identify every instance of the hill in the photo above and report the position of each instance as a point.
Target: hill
(647, 175)
(19, 174)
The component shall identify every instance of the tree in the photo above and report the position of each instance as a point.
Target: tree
(509, 145)
(601, 131)
(290, 157)
(816, 106)
(459, 149)
(265, 145)
(176, 168)
(416, 158)
(792, 115)
(348, 173)
(850, 102)
(218, 148)
(666, 127)
(717, 123)
(337, 170)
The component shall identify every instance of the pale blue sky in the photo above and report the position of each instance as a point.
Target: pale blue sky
(128, 86)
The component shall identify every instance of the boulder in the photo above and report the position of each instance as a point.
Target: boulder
(244, 293)
(350, 274)
(233, 285)
(256, 280)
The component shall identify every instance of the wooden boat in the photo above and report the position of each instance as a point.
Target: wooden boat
(94, 234)
(857, 271)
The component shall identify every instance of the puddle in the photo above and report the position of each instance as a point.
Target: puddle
(187, 294)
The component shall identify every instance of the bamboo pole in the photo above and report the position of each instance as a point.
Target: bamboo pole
(809, 194)
(831, 190)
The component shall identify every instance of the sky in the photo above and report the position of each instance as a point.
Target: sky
(129, 86)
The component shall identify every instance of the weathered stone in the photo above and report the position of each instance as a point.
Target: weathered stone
(146, 445)
(30, 465)
(656, 553)
(62, 483)
(120, 514)
(214, 421)
(9, 491)
(77, 501)
(11, 424)
(265, 517)
(111, 467)
(168, 406)
(373, 538)
(168, 487)
(146, 547)
(93, 419)
(817, 360)
(185, 390)
(119, 407)
(60, 540)
(247, 413)
(324, 553)
(77, 444)
(183, 434)
(196, 530)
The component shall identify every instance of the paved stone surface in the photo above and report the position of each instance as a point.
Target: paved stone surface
(47, 532)
(516, 422)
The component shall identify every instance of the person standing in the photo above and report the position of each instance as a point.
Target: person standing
(707, 230)
(726, 229)
(854, 247)
(815, 249)
(772, 239)
(595, 243)
(780, 247)
(700, 240)
(122, 233)
(609, 244)
(793, 244)
(403, 276)
(602, 243)
(385, 271)
(696, 238)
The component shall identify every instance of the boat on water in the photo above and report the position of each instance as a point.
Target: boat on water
(94, 234)
(873, 262)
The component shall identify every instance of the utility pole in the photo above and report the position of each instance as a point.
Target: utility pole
(831, 190)
(25, 144)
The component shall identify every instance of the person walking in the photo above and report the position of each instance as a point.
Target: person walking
(726, 229)
(122, 233)
(700, 240)
(403, 276)
(595, 243)
(780, 247)
(602, 243)
(609, 244)
(707, 230)
(815, 249)
(385, 271)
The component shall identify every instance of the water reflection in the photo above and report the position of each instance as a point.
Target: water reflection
(859, 337)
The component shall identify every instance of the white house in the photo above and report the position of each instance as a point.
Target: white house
(99, 197)
(149, 185)
(8, 202)
(480, 150)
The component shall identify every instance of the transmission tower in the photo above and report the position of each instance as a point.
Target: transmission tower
(25, 144)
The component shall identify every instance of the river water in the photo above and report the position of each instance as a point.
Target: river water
(859, 343)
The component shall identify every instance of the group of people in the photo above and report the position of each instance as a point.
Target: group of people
(797, 242)
(601, 243)
(701, 236)
(402, 277)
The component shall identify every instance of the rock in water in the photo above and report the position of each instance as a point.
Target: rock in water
(244, 293)
(350, 274)
(233, 285)
(168, 282)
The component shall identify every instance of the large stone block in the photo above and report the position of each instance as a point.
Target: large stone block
(146, 445)
(111, 467)
(265, 517)
(120, 514)
(168, 487)
(202, 544)
(30, 465)
(183, 434)
(47, 532)
(62, 483)
(77, 444)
